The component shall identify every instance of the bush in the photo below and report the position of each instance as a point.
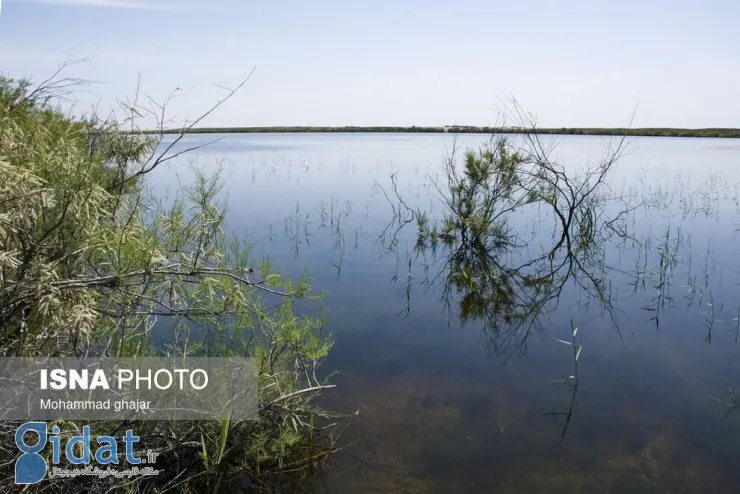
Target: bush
(89, 262)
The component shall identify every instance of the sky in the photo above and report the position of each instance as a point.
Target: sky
(392, 62)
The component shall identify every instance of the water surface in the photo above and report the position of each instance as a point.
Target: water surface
(446, 407)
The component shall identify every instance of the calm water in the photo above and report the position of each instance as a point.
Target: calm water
(448, 407)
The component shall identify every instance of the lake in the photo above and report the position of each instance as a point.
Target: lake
(449, 404)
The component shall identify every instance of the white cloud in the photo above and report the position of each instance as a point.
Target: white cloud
(121, 4)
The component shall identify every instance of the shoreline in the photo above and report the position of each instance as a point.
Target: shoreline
(641, 132)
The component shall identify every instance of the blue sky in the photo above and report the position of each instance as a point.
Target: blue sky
(401, 62)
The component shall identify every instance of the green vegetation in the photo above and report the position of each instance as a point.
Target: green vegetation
(488, 268)
(464, 129)
(90, 262)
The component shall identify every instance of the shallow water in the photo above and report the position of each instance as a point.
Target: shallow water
(447, 407)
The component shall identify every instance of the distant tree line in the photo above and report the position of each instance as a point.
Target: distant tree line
(465, 129)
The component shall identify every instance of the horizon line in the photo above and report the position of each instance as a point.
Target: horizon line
(711, 132)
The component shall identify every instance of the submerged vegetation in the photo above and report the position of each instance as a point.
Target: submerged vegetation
(91, 264)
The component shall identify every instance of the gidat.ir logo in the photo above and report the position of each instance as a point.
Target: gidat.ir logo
(31, 467)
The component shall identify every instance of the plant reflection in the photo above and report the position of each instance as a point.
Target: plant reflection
(491, 271)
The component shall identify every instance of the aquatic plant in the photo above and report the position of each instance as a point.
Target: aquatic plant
(494, 273)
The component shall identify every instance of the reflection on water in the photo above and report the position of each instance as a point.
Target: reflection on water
(425, 328)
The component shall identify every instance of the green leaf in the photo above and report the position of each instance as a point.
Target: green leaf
(578, 353)
(224, 435)
(203, 453)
